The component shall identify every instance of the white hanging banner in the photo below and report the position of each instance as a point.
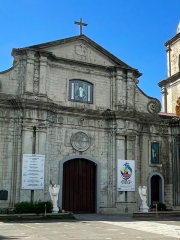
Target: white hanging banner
(33, 171)
(126, 175)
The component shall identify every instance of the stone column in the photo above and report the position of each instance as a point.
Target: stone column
(164, 99)
(27, 147)
(29, 72)
(15, 146)
(119, 90)
(168, 50)
(120, 148)
(42, 78)
(130, 91)
(40, 149)
(111, 164)
(113, 90)
(131, 147)
(131, 196)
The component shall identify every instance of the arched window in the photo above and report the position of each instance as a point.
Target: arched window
(80, 91)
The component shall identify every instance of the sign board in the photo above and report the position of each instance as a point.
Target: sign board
(33, 171)
(126, 175)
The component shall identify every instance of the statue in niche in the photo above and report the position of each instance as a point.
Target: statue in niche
(143, 196)
(54, 191)
(80, 93)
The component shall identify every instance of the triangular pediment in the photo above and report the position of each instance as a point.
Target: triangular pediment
(81, 48)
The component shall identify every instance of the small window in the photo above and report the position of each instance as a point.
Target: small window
(155, 153)
(80, 91)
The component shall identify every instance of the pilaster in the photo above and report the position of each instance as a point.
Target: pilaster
(29, 72)
(40, 149)
(27, 140)
(121, 152)
(120, 97)
(131, 147)
(168, 50)
(111, 164)
(130, 90)
(113, 90)
(120, 140)
(27, 147)
(131, 196)
(43, 73)
(164, 99)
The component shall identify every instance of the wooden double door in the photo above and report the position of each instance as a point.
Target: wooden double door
(79, 186)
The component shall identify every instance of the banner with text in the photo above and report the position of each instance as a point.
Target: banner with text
(126, 175)
(33, 171)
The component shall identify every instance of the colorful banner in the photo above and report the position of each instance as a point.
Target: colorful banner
(33, 171)
(126, 175)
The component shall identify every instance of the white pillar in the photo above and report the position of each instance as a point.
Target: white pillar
(164, 99)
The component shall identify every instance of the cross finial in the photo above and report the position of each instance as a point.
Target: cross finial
(80, 25)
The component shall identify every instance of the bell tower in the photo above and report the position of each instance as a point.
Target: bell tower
(171, 85)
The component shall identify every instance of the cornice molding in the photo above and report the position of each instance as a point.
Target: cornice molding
(172, 40)
(168, 80)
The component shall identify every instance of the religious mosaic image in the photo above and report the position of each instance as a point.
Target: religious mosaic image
(155, 152)
(80, 91)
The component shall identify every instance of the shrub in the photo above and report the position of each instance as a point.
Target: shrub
(49, 206)
(4, 211)
(36, 207)
(161, 206)
(23, 207)
(39, 207)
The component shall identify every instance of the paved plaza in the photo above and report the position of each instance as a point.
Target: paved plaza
(92, 226)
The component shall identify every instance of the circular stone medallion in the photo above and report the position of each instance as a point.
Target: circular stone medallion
(80, 141)
(154, 106)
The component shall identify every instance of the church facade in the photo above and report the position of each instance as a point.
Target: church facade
(80, 106)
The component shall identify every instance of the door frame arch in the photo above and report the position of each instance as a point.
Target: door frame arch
(161, 187)
(98, 177)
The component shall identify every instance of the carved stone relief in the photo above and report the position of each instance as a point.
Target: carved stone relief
(154, 106)
(21, 76)
(36, 78)
(60, 119)
(51, 118)
(81, 49)
(80, 141)
(4, 113)
(67, 138)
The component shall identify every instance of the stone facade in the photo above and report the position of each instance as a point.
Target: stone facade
(36, 116)
(170, 86)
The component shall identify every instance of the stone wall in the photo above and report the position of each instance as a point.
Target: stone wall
(174, 57)
(173, 91)
(121, 122)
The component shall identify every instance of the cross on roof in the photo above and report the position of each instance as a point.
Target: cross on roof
(80, 24)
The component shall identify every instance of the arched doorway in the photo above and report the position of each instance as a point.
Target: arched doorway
(155, 188)
(79, 183)
(155, 193)
(79, 178)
